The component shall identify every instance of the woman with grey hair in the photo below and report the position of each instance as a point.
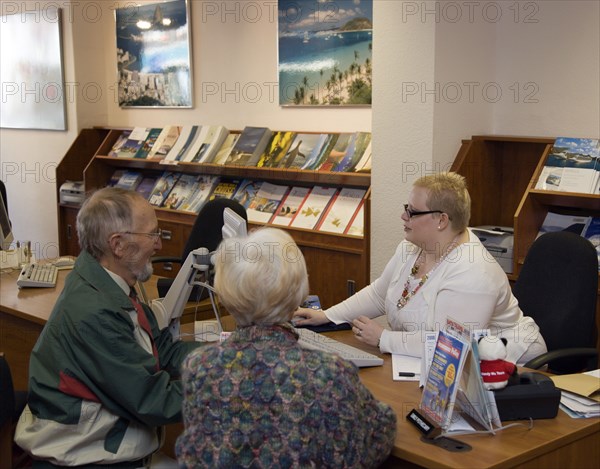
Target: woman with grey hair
(260, 400)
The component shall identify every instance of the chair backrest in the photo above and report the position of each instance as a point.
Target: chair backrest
(206, 231)
(557, 287)
(7, 393)
(3, 194)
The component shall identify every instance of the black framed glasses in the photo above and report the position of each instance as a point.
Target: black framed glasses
(155, 234)
(416, 213)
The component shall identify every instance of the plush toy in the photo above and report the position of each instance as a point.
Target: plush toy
(495, 370)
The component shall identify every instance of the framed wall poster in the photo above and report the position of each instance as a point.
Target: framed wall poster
(325, 52)
(154, 55)
(31, 70)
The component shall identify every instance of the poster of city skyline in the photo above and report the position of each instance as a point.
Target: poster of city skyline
(154, 55)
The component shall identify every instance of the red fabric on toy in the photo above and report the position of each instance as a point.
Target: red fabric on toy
(495, 371)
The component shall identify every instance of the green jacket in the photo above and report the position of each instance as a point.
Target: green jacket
(96, 395)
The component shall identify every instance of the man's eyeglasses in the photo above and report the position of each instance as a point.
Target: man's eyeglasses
(156, 234)
(416, 213)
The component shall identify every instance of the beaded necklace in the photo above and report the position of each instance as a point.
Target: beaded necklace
(406, 293)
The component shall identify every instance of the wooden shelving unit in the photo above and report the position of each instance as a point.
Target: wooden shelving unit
(71, 168)
(335, 262)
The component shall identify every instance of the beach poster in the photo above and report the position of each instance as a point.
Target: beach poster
(325, 52)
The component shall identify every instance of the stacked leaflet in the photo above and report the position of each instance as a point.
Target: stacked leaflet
(162, 188)
(451, 380)
(226, 149)
(246, 192)
(341, 211)
(266, 202)
(304, 150)
(187, 135)
(439, 392)
(164, 143)
(276, 150)
(129, 180)
(580, 394)
(149, 142)
(181, 191)
(287, 210)
(206, 145)
(314, 206)
(573, 165)
(357, 225)
(249, 147)
(202, 191)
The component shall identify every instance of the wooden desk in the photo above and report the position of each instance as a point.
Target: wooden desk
(23, 314)
(560, 442)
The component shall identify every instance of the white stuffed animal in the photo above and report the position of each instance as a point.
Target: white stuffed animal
(495, 370)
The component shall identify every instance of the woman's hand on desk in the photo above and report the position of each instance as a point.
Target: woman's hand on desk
(366, 330)
(309, 317)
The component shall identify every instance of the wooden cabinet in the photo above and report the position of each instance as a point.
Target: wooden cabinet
(71, 168)
(336, 264)
(68, 228)
(501, 174)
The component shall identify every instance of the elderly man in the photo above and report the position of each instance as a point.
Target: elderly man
(102, 373)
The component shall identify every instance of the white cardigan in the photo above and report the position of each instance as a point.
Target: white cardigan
(469, 286)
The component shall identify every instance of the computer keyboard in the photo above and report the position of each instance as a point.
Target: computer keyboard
(315, 341)
(38, 275)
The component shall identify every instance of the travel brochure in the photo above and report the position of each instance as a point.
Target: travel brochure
(253, 146)
(327, 209)
(452, 382)
(573, 165)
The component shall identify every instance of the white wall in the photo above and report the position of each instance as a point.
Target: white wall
(402, 122)
(555, 61)
(412, 133)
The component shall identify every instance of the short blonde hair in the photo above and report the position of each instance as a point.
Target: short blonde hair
(448, 193)
(261, 279)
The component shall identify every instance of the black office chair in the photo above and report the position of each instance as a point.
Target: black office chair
(3, 194)
(206, 233)
(557, 287)
(12, 404)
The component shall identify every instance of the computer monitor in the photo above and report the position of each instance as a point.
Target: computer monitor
(6, 236)
(233, 225)
(195, 271)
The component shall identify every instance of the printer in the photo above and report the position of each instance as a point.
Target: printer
(72, 192)
(498, 240)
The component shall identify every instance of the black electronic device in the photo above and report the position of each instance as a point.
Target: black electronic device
(313, 302)
(531, 396)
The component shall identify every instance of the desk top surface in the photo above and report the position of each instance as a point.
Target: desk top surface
(31, 304)
(36, 304)
(510, 447)
(507, 448)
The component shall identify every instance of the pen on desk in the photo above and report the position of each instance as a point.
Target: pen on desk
(405, 374)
